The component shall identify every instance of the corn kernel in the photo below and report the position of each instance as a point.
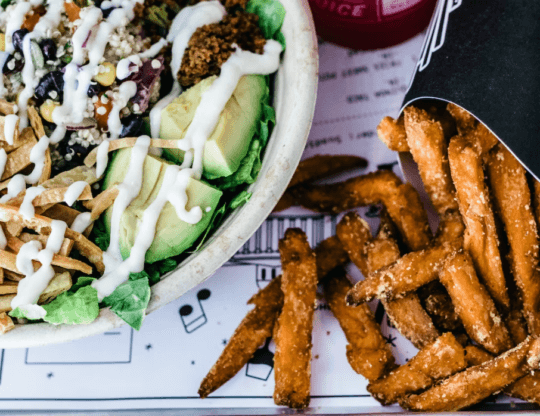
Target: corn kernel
(106, 75)
(46, 110)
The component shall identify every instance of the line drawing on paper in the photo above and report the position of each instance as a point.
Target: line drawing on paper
(194, 318)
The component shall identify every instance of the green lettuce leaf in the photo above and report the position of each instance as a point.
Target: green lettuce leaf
(240, 199)
(81, 307)
(271, 15)
(82, 281)
(248, 170)
(129, 301)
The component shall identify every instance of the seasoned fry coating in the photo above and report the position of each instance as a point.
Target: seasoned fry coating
(392, 133)
(410, 272)
(248, 336)
(536, 200)
(401, 200)
(330, 254)
(287, 200)
(476, 356)
(517, 327)
(480, 235)
(321, 166)
(439, 306)
(429, 149)
(474, 384)
(451, 227)
(436, 361)
(292, 360)
(367, 351)
(513, 201)
(465, 121)
(526, 388)
(406, 314)
(473, 304)
(353, 233)
(482, 139)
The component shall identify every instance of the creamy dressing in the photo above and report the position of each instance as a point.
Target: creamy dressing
(126, 91)
(37, 157)
(102, 157)
(3, 160)
(10, 124)
(15, 186)
(14, 23)
(82, 222)
(74, 192)
(27, 209)
(34, 283)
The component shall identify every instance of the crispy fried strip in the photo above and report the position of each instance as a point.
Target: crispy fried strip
(410, 272)
(35, 122)
(287, 200)
(9, 259)
(465, 121)
(68, 177)
(47, 168)
(438, 360)
(474, 384)
(476, 355)
(367, 350)
(8, 288)
(7, 108)
(62, 213)
(513, 201)
(91, 158)
(292, 360)
(15, 132)
(12, 276)
(429, 149)
(252, 332)
(102, 201)
(18, 160)
(321, 166)
(473, 304)
(392, 133)
(481, 234)
(438, 305)
(42, 225)
(65, 249)
(401, 201)
(24, 136)
(6, 323)
(329, 254)
(50, 196)
(354, 233)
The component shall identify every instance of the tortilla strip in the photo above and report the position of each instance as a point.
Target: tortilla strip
(42, 225)
(65, 249)
(12, 276)
(481, 239)
(7, 108)
(9, 259)
(367, 350)
(47, 168)
(440, 359)
(17, 160)
(473, 304)
(102, 201)
(15, 132)
(292, 360)
(252, 332)
(401, 200)
(91, 158)
(410, 272)
(513, 201)
(36, 122)
(392, 133)
(8, 288)
(51, 196)
(428, 147)
(62, 213)
(68, 177)
(474, 384)
(6, 323)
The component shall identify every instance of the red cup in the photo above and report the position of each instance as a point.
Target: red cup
(370, 24)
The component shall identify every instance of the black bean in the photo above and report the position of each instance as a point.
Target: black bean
(93, 89)
(132, 126)
(53, 81)
(48, 47)
(17, 39)
(18, 65)
(107, 12)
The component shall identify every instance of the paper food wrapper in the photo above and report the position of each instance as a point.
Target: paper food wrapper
(483, 56)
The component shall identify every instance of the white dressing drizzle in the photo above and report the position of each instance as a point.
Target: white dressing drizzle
(102, 157)
(14, 23)
(126, 91)
(215, 98)
(26, 209)
(37, 157)
(3, 239)
(34, 283)
(81, 222)
(3, 160)
(74, 192)
(10, 123)
(173, 190)
(182, 28)
(15, 186)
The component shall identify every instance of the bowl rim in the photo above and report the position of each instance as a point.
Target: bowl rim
(299, 69)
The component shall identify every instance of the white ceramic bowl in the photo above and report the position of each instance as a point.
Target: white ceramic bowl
(294, 99)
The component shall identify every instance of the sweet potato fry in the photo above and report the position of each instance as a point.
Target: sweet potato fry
(322, 166)
(354, 233)
(329, 254)
(474, 384)
(6, 323)
(367, 351)
(257, 325)
(292, 360)
(438, 360)
(465, 121)
(410, 272)
(451, 227)
(287, 200)
(476, 356)
(401, 200)
(438, 305)
(526, 388)
(392, 133)
(480, 235)
(512, 198)
(429, 149)
(473, 304)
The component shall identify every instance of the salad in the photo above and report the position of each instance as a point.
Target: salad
(129, 129)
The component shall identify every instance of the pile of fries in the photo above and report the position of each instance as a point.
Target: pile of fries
(467, 297)
(48, 206)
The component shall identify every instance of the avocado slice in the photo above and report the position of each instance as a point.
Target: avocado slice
(173, 236)
(229, 142)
